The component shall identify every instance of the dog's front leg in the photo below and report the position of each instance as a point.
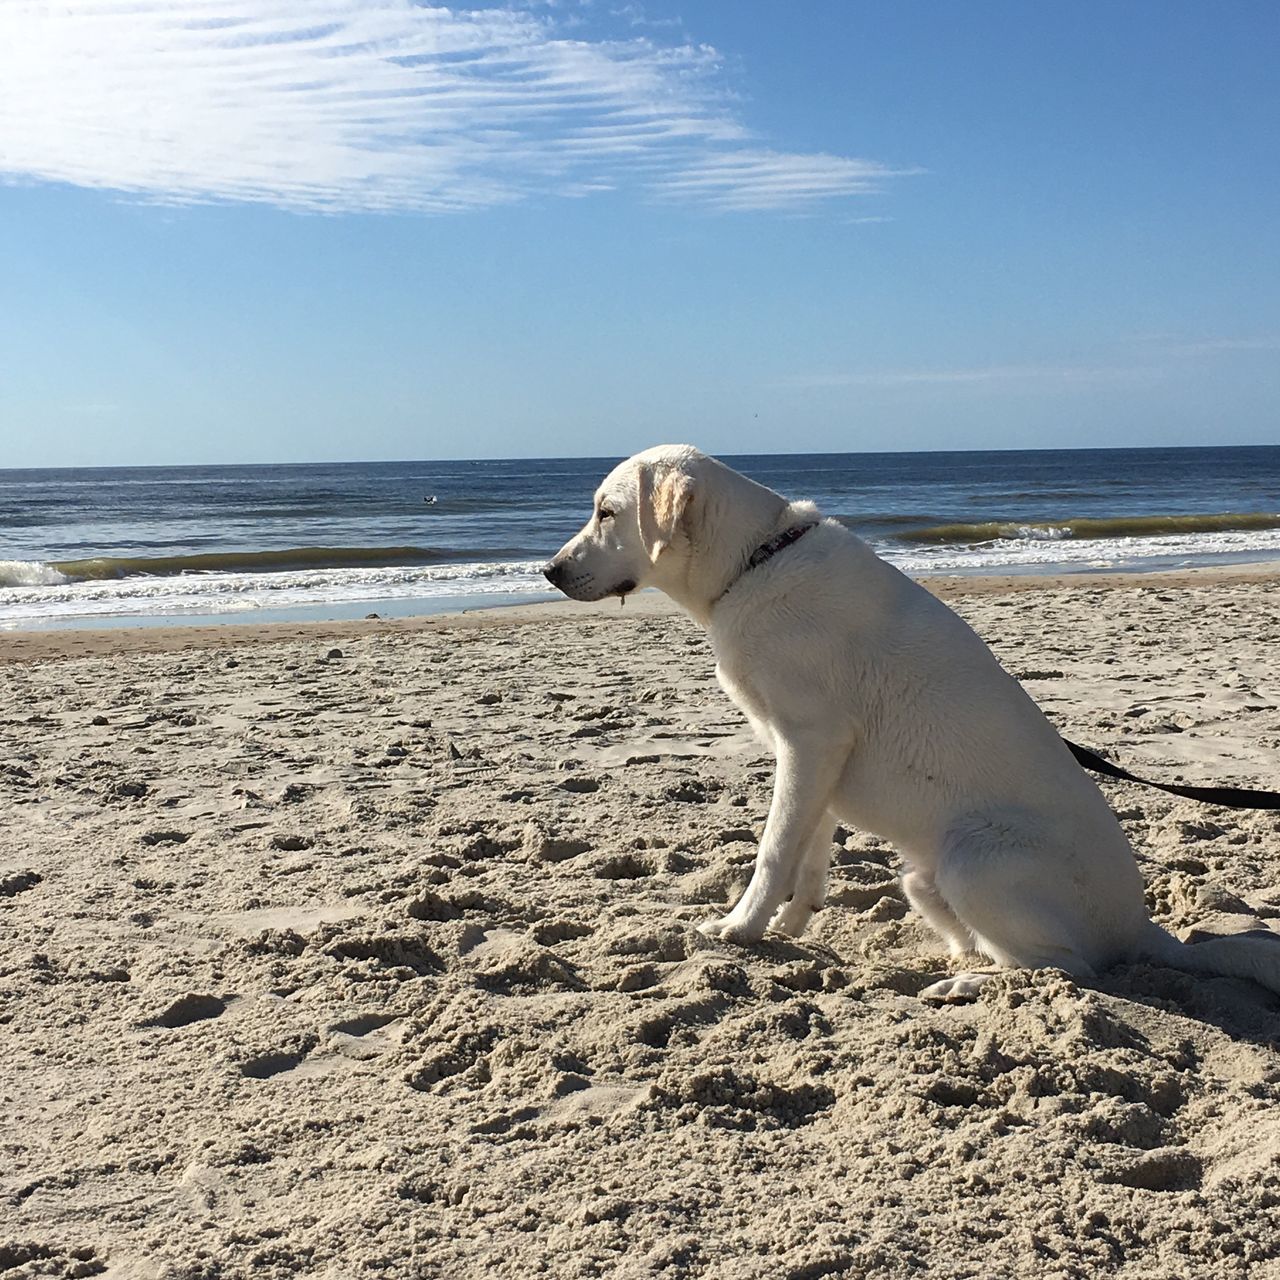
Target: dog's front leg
(810, 889)
(806, 775)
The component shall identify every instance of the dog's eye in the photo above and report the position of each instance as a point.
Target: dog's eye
(604, 514)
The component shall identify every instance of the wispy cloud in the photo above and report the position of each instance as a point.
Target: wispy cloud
(1159, 355)
(985, 375)
(380, 105)
(1222, 346)
(755, 179)
(637, 16)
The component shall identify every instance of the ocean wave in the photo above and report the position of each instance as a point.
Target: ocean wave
(1047, 556)
(29, 573)
(280, 560)
(881, 519)
(240, 592)
(1088, 528)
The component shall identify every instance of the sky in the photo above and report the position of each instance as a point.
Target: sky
(321, 230)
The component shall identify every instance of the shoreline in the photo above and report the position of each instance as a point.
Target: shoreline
(38, 645)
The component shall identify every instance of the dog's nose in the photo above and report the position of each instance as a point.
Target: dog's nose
(553, 571)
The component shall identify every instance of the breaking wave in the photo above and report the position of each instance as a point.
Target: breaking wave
(33, 590)
(281, 560)
(1090, 528)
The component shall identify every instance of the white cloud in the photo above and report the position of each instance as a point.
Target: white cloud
(377, 105)
(754, 179)
(636, 16)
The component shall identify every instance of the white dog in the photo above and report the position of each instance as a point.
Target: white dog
(884, 711)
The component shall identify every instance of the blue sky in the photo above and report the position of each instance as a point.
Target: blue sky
(278, 230)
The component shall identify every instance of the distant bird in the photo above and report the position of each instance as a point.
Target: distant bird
(430, 499)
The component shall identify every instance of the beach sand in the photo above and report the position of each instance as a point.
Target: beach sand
(369, 950)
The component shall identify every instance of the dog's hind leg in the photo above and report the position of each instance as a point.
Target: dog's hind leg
(965, 986)
(809, 890)
(923, 895)
(806, 776)
(1010, 911)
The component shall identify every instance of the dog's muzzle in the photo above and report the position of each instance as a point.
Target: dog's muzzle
(560, 574)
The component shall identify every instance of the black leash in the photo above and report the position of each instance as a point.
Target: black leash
(1229, 797)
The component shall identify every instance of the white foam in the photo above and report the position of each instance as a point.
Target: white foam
(1092, 553)
(29, 573)
(204, 593)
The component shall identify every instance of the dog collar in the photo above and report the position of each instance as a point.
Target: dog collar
(767, 550)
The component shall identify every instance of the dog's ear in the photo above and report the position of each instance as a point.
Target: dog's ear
(662, 507)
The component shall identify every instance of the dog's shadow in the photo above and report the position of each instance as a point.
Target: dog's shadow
(1241, 1010)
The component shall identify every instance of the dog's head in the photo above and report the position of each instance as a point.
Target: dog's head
(641, 511)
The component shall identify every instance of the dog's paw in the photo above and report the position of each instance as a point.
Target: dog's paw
(714, 928)
(728, 929)
(792, 918)
(960, 989)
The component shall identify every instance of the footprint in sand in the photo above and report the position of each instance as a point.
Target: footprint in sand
(13, 883)
(351, 1040)
(580, 785)
(266, 1065)
(368, 1035)
(193, 1007)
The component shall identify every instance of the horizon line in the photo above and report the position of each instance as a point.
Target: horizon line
(608, 457)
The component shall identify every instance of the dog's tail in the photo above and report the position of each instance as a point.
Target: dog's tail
(1254, 955)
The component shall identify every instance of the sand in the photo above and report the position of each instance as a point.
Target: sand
(369, 951)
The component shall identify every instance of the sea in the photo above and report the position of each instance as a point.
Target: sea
(166, 545)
